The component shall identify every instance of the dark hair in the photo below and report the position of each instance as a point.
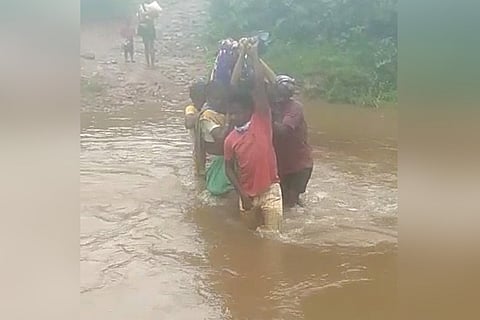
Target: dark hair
(216, 86)
(242, 97)
(198, 88)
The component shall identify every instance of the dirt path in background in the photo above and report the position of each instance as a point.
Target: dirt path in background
(108, 83)
(153, 246)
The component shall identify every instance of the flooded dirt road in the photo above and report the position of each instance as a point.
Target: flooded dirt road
(154, 246)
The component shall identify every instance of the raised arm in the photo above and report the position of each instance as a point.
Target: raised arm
(259, 92)
(237, 69)
(269, 73)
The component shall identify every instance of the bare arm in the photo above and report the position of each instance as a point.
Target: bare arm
(232, 176)
(230, 172)
(259, 92)
(190, 120)
(220, 133)
(269, 73)
(237, 69)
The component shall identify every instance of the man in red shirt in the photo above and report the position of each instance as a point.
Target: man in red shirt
(250, 160)
(294, 154)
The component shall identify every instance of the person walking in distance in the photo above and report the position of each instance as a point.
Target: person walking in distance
(146, 29)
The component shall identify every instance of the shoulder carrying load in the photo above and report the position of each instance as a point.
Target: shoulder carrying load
(151, 9)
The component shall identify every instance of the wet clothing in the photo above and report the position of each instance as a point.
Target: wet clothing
(216, 178)
(254, 155)
(294, 154)
(210, 120)
(267, 209)
(297, 181)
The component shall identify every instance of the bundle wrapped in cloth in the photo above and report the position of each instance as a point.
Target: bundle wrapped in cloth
(225, 61)
(151, 9)
(227, 56)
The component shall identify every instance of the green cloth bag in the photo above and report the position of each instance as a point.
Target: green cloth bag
(217, 181)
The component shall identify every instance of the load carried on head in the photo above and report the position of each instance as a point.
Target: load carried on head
(151, 9)
(228, 53)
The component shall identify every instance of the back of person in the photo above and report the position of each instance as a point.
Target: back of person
(292, 148)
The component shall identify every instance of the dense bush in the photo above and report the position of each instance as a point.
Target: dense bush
(345, 50)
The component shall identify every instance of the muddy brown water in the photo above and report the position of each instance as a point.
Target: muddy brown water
(153, 245)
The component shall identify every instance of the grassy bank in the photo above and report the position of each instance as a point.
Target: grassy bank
(334, 74)
(340, 50)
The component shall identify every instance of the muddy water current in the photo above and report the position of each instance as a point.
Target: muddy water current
(155, 246)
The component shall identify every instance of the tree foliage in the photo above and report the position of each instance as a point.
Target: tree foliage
(345, 50)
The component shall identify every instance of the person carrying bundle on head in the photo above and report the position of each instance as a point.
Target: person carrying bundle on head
(146, 14)
(250, 159)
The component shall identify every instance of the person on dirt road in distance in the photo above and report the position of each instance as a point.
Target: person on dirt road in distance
(198, 98)
(128, 34)
(294, 154)
(146, 29)
(210, 133)
(250, 159)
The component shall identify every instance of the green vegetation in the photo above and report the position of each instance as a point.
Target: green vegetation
(343, 50)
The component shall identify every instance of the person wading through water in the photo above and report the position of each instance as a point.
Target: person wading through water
(294, 154)
(146, 30)
(198, 98)
(210, 132)
(250, 159)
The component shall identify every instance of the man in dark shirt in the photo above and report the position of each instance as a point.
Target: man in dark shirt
(294, 154)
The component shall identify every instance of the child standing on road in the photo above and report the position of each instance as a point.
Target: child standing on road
(128, 32)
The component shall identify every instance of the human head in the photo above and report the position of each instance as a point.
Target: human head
(217, 96)
(198, 93)
(283, 90)
(240, 107)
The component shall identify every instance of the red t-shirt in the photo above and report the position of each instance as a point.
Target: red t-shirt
(293, 151)
(254, 154)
